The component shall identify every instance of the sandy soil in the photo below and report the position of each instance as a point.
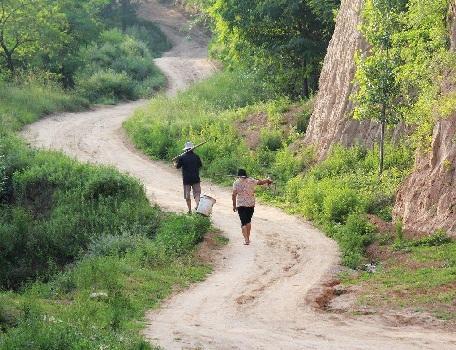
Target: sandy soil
(259, 296)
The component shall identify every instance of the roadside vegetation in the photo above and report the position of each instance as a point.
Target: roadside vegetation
(416, 274)
(258, 122)
(83, 253)
(96, 49)
(97, 301)
(261, 132)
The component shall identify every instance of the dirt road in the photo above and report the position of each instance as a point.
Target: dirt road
(259, 296)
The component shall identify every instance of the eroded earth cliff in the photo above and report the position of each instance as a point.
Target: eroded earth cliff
(427, 199)
(331, 122)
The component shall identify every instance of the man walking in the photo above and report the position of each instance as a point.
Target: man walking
(190, 163)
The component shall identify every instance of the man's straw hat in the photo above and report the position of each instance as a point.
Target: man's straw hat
(188, 145)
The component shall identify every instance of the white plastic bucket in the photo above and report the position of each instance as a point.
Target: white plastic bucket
(205, 205)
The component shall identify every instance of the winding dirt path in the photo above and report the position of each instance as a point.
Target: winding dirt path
(260, 296)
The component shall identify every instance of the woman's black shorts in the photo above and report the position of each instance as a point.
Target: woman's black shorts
(245, 214)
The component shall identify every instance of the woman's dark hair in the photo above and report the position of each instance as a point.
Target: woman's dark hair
(242, 173)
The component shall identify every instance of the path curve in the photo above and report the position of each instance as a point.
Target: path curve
(258, 296)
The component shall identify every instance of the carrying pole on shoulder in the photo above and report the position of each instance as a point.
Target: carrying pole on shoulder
(190, 149)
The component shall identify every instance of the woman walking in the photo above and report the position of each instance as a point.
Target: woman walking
(244, 200)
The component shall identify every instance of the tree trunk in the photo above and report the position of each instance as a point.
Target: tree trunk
(305, 89)
(382, 140)
(9, 62)
(8, 55)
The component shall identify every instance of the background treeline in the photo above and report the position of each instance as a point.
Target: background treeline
(100, 48)
(284, 42)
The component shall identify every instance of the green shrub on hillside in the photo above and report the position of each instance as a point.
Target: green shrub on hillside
(339, 203)
(52, 207)
(99, 296)
(116, 69)
(353, 237)
(271, 140)
(107, 86)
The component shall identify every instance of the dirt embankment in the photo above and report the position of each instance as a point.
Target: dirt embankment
(260, 296)
(427, 199)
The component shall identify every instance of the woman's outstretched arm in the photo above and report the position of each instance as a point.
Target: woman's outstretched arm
(264, 182)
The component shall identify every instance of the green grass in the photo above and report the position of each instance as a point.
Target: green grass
(23, 104)
(420, 278)
(64, 314)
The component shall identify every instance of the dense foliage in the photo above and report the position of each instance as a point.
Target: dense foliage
(402, 76)
(284, 42)
(51, 40)
(53, 207)
(117, 67)
(96, 302)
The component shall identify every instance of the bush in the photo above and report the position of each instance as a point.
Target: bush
(54, 207)
(436, 239)
(439, 237)
(353, 237)
(104, 184)
(381, 205)
(286, 165)
(271, 140)
(115, 245)
(106, 86)
(119, 67)
(179, 234)
(338, 203)
(310, 197)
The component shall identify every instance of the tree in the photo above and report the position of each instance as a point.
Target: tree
(84, 25)
(378, 96)
(285, 39)
(121, 13)
(27, 27)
